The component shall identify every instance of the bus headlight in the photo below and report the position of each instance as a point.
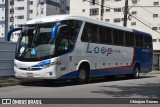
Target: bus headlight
(49, 65)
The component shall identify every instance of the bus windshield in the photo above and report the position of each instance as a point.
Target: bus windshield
(36, 42)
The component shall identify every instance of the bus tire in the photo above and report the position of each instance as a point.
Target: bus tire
(83, 76)
(136, 72)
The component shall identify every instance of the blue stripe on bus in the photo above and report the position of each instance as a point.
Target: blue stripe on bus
(70, 75)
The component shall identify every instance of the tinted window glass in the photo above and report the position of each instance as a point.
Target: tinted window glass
(148, 42)
(94, 33)
(90, 33)
(139, 40)
(129, 39)
(108, 35)
(121, 37)
(102, 34)
(115, 37)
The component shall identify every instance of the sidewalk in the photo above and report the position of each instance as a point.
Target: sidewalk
(11, 80)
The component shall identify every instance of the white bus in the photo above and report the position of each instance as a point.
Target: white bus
(74, 47)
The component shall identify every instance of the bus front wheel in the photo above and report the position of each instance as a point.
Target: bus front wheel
(83, 76)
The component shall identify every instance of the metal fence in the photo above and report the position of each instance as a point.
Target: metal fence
(7, 53)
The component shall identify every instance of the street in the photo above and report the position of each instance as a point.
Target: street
(146, 86)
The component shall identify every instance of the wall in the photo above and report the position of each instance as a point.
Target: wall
(7, 53)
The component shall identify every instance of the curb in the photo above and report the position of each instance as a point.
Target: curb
(151, 73)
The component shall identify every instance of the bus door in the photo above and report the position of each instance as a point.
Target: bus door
(63, 47)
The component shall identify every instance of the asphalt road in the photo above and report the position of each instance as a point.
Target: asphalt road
(144, 87)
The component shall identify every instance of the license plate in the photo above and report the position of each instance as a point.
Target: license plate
(29, 74)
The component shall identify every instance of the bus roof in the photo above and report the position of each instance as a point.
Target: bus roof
(57, 18)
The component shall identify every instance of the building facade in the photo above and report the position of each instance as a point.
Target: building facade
(16, 12)
(146, 11)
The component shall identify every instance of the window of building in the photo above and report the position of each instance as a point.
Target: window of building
(30, 11)
(42, 10)
(133, 23)
(2, 1)
(2, 17)
(11, 19)
(117, 0)
(155, 15)
(20, 17)
(2, 9)
(108, 10)
(83, 10)
(134, 1)
(96, 1)
(122, 19)
(117, 20)
(107, 20)
(31, 2)
(134, 12)
(117, 9)
(20, 0)
(12, 2)
(154, 40)
(154, 28)
(155, 3)
(11, 11)
(20, 8)
(94, 11)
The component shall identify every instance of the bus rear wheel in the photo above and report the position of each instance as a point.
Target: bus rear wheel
(83, 76)
(136, 72)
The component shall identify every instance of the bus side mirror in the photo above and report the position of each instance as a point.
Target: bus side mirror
(11, 31)
(55, 30)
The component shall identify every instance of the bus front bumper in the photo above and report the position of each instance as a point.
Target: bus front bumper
(47, 73)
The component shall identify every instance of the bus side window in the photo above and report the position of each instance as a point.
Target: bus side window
(86, 34)
(102, 34)
(108, 35)
(121, 38)
(129, 39)
(139, 41)
(148, 42)
(115, 37)
(94, 33)
(90, 33)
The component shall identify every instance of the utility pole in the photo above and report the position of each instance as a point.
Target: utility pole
(125, 13)
(102, 9)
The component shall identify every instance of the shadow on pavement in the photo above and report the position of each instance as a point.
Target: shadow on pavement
(145, 90)
(41, 83)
